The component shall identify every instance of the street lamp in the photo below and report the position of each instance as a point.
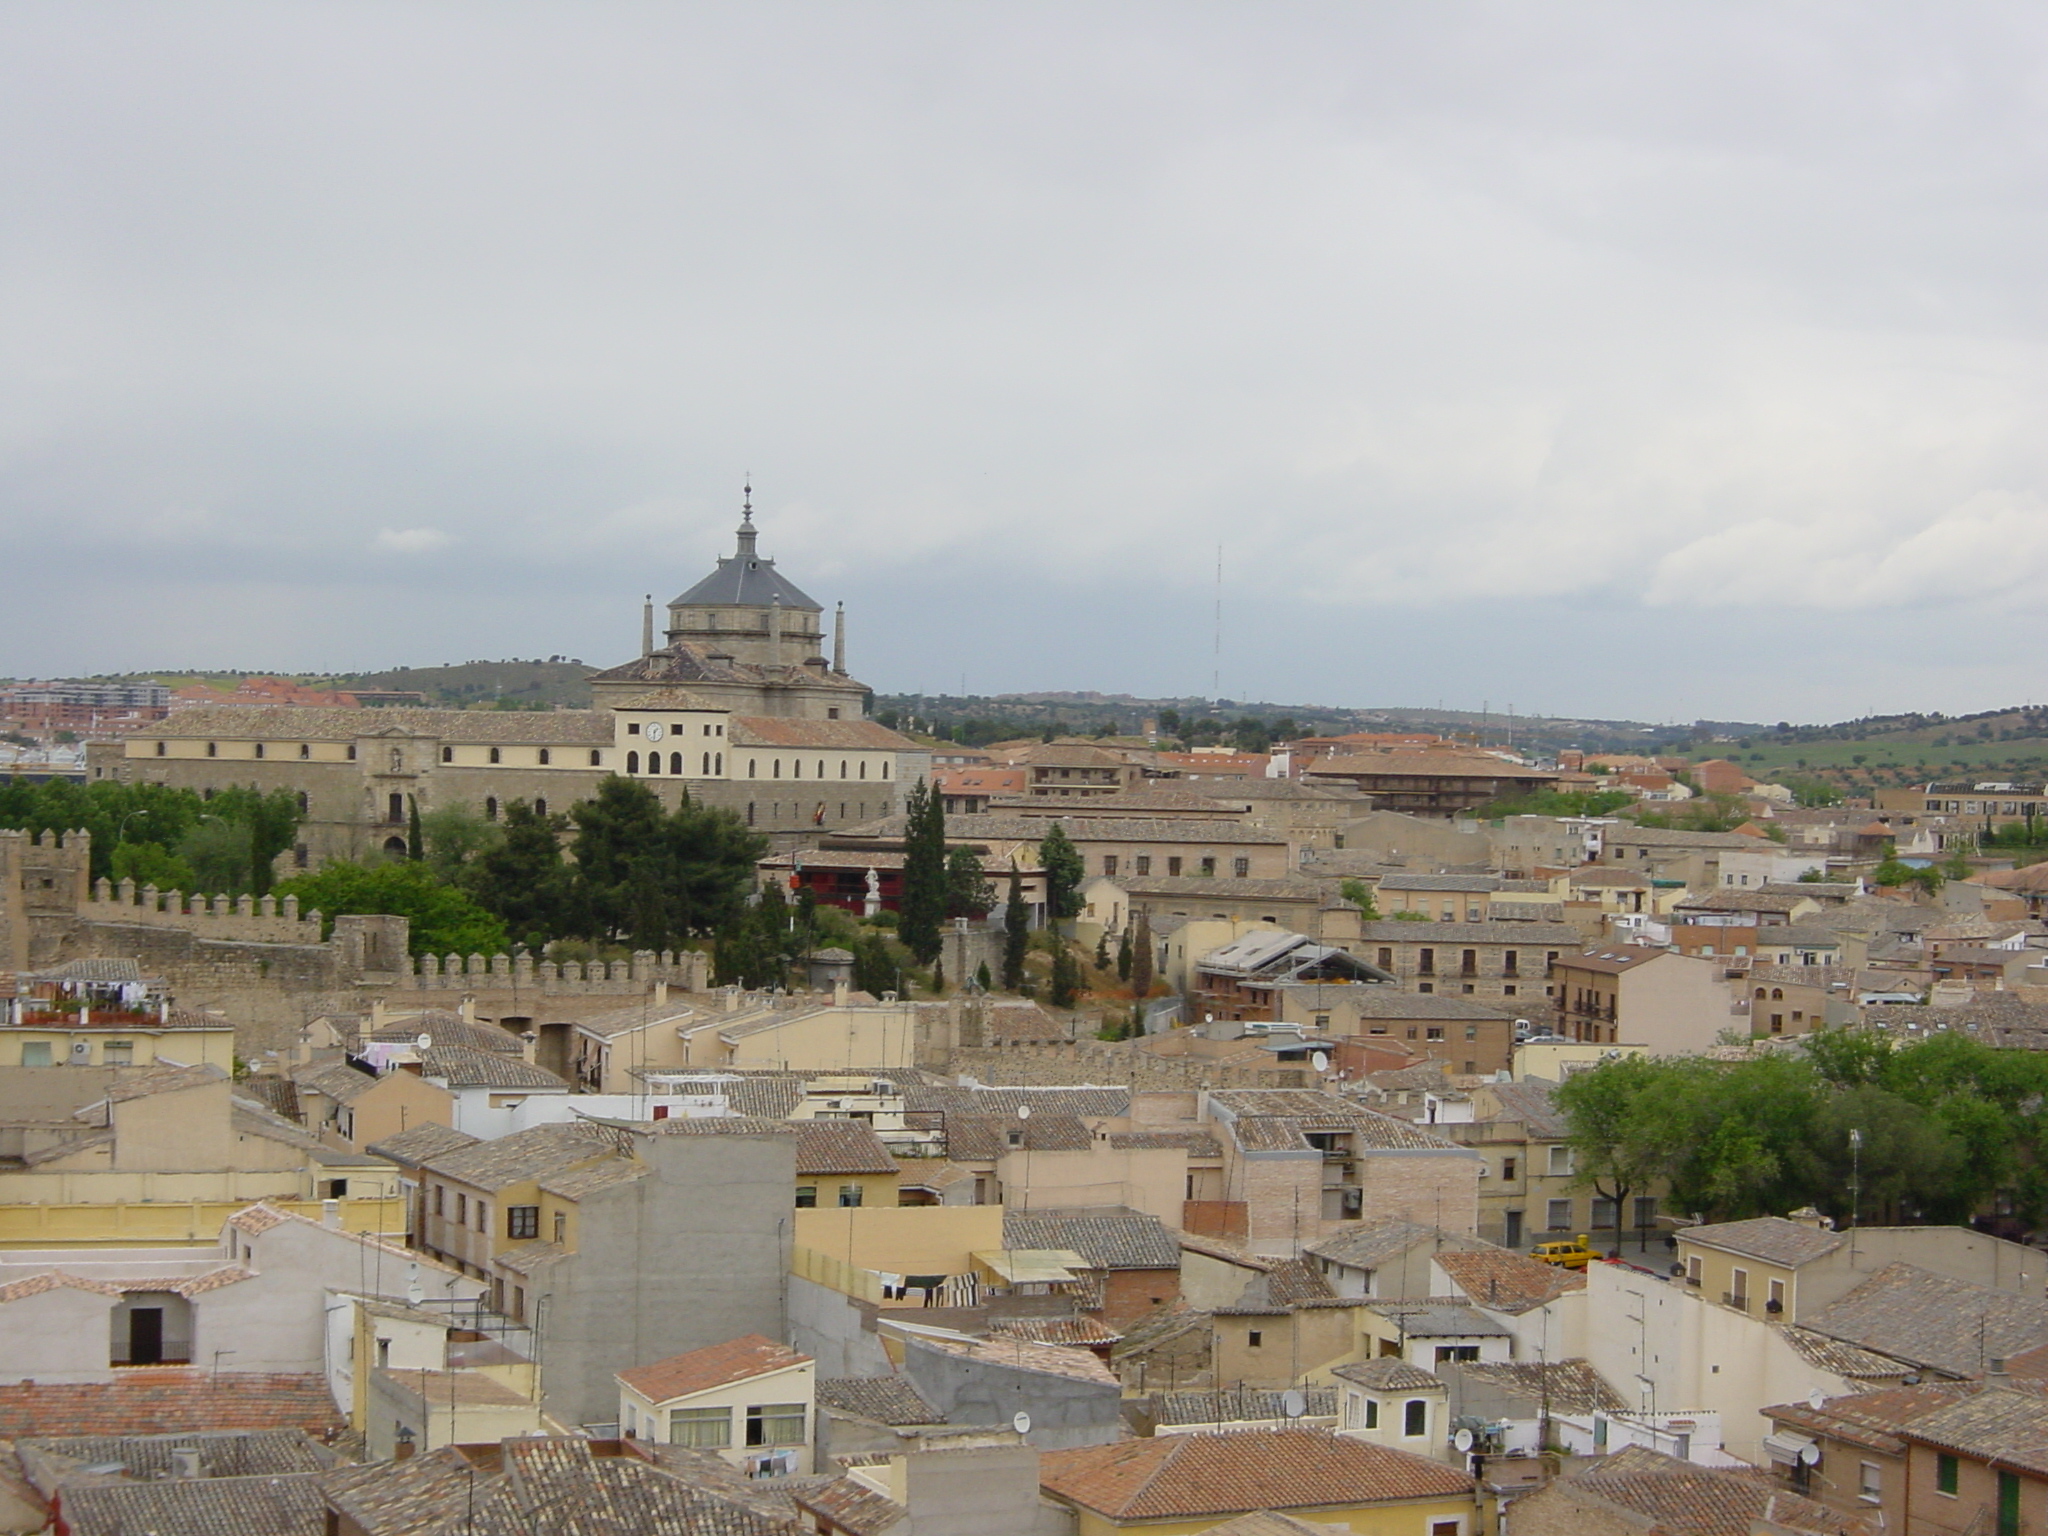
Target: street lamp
(1855, 1176)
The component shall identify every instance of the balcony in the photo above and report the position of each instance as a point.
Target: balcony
(1739, 1301)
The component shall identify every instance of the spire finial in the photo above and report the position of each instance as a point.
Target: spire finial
(746, 530)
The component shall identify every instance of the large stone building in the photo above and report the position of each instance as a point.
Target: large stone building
(739, 709)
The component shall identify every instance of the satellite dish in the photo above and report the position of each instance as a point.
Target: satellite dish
(1021, 1423)
(424, 1042)
(1816, 1398)
(1322, 1062)
(1463, 1440)
(1023, 1111)
(1293, 1404)
(1810, 1455)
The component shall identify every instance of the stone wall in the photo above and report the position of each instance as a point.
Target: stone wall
(1107, 1061)
(264, 919)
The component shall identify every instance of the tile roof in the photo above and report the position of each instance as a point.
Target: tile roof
(1932, 1320)
(759, 1096)
(560, 727)
(1278, 1120)
(1572, 1386)
(778, 731)
(462, 1068)
(851, 1505)
(336, 1080)
(1394, 931)
(984, 1138)
(1017, 1354)
(203, 1506)
(1196, 885)
(840, 1146)
(1735, 899)
(1084, 1331)
(1673, 837)
(718, 1365)
(165, 1079)
(1389, 1373)
(619, 1021)
(155, 1400)
(1772, 1239)
(1502, 1280)
(1091, 1101)
(1438, 1317)
(1172, 1477)
(1194, 1143)
(2006, 1424)
(1267, 1522)
(222, 1453)
(1371, 1244)
(419, 1143)
(881, 1399)
(276, 1093)
(55, 1280)
(1408, 882)
(1393, 1003)
(1871, 1419)
(1844, 1360)
(1122, 1241)
(581, 1183)
(1529, 1104)
(529, 1258)
(533, 1153)
(1082, 829)
(1683, 1499)
(1238, 1405)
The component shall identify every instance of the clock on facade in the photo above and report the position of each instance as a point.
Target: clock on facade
(654, 731)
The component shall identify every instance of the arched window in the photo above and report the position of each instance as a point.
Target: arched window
(718, 762)
(632, 762)
(1777, 994)
(654, 762)
(395, 846)
(496, 756)
(597, 759)
(796, 767)
(707, 765)
(490, 808)
(159, 749)
(303, 805)
(1760, 994)
(750, 813)
(213, 749)
(259, 749)
(447, 754)
(305, 749)
(545, 759)
(863, 768)
(842, 767)
(675, 764)
(778, 768)
(885, 768)
(753, 768)
(821, 768)
(540, 807)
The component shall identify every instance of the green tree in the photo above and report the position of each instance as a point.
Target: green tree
(152, 864)
(968, 893)
(1621, 1121)
(1141, 957)
(415, 840)
(982, 979)
(875, 970)
(1061, 861)
(1066, 975)
(444, 919)
(453, 838)
(1890, 871)
(523, 880)
(1359, 894)
(1124, 957)
(269, 824)
(1016, 934)
(925, 892)
(652, 879)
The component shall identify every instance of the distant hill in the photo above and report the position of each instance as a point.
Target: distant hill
(560, 682)
(1895, 750)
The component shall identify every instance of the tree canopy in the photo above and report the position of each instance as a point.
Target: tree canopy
(1947, 1125)
(444, 919)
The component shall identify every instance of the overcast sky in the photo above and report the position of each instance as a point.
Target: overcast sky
(1660, 360)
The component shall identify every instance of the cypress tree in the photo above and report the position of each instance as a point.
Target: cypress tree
(924, 873)
(1016, 934)
(1066, 977)
(1123, 957)
(1064, 871)
(415, 840)
(1141, 957)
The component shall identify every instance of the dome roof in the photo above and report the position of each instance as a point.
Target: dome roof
(746, 579)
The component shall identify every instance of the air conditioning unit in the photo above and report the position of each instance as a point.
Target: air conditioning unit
(81, 1053)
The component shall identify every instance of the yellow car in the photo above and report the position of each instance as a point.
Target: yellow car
(1572, 1255)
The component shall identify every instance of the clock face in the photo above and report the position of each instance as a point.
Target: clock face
(655, 731)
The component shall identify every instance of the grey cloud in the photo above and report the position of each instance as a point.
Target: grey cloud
(1711, 328)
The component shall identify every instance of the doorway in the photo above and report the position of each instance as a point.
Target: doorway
(145, 1335)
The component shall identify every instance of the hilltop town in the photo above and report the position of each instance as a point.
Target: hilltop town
(696, 1094)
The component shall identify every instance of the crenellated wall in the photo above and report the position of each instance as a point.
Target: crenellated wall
(262, 919)
(684, 970)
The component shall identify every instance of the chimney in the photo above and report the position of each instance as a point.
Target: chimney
(661, 994)
(839, 640)
(839, 993)
(330, 1215)
(468, 1008)
(1994, 1368)
(647, 627)
(376, 1015)
(527, 1045)
(185, 1461)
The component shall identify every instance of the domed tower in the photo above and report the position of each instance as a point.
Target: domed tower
(747, 610)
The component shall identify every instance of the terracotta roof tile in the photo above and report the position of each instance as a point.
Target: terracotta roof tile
(1684, 1499)
(1934, 1321)
(1240, 1405)
(1023, 1355)
(1504, 1281)
(882, 1399)
(852, 1505)
(1772, 1239)
(1127, 1240)
(1174, 1477)
(840, 1146)
(702, 1369)
(167, 1400)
